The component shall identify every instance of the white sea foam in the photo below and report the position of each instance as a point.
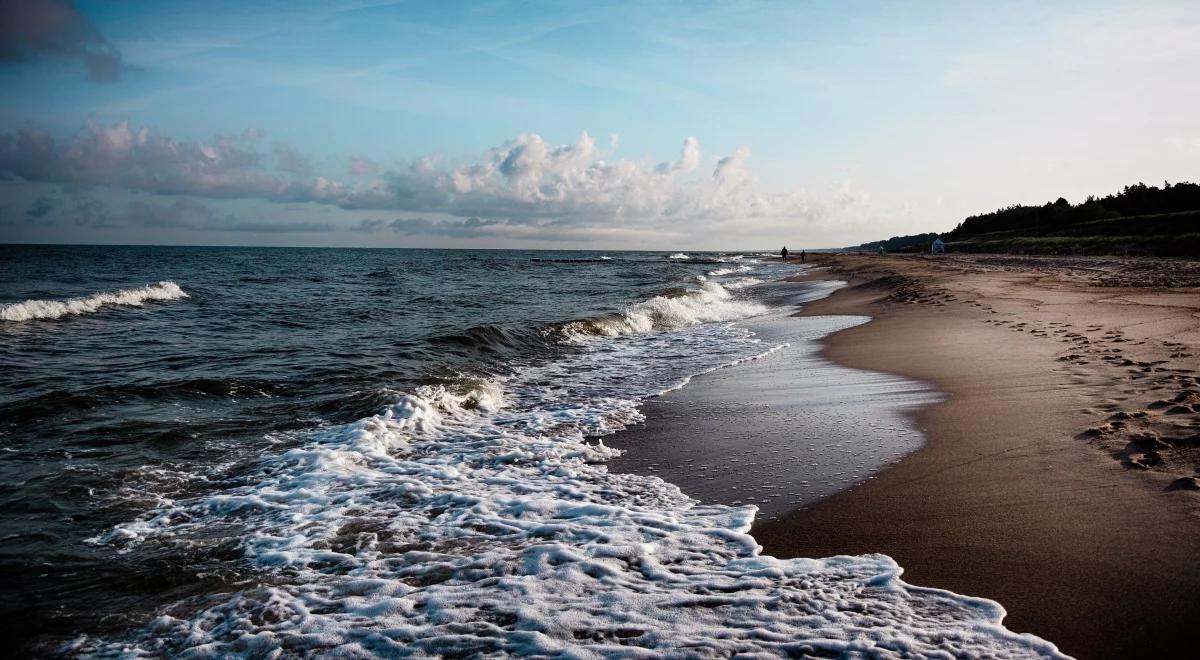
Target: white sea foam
(741, 283)
(679, 255)
(476, 518)
(710, 302)
(53, 309)
(433, 528)
(721, 272)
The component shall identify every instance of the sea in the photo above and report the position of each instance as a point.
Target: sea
(287, 452)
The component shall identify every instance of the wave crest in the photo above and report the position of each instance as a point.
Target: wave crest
(53, 309)
(709, 303)
(721, 272)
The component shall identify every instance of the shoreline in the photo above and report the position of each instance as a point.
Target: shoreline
(1015, 495)
(750, 434)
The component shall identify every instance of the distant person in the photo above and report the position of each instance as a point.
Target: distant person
(783, 253)
(803, 255)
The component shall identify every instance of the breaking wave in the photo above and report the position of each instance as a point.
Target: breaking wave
(710, 302)
(721, 272)
(677, 308)
(741, 283)
(476, 516)
(54, 309)
(452, 523)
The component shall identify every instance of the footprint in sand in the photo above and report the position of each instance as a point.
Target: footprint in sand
(1185, 483)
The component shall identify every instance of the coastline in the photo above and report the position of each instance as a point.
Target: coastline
(751, 433)
(1016, 495)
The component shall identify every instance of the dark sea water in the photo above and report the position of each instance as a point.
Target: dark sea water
(253, 451)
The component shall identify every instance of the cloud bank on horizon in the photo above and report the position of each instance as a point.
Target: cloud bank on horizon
(428, 124)
(523, 189)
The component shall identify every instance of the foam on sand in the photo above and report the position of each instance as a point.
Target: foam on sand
(54, 309)
(475, 517)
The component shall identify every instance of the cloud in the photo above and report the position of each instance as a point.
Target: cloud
(732, 169)
(527, 179)
(280, 227)
(119, 156)
(182, 213)
(369, 225)
(49, 209)
(290, 161)
(421, 226)
(509, 230)
(92, 213)
(689, 158)
(361, 166)
(40, 207)
(521, 187)
(188, 214)
(55, 27)
(469, 228)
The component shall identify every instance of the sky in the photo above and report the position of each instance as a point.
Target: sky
(578, 125)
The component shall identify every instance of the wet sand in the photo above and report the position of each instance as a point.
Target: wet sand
(754, 434)
(1054, 475)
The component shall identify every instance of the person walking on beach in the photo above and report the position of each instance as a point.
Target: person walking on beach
(783, 253)
(802, 256)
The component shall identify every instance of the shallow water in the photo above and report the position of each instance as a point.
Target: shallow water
(394, 451)
(781, 432)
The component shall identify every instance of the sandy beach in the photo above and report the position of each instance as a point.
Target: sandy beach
(1058, 471)
(600, 330)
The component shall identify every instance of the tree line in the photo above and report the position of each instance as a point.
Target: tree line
(1135, 200)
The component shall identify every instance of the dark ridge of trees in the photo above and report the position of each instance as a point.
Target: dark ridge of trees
(897, 243)
(1138, 220)
(1052, 217)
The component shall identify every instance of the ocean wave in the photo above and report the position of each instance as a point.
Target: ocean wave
(452, 523)
(581, 260)
(675, 308)
(740, 283)
(710, 302)
(490, 339)
(476, 516)
(679, 255)
(58, 401)
(722, 272)
(54, 309)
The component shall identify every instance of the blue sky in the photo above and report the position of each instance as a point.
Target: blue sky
(605, 125)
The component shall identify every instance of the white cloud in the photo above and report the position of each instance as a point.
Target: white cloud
(689, 158)
(119, 156)
(523, 188)
(361, 166)
(290, 161)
